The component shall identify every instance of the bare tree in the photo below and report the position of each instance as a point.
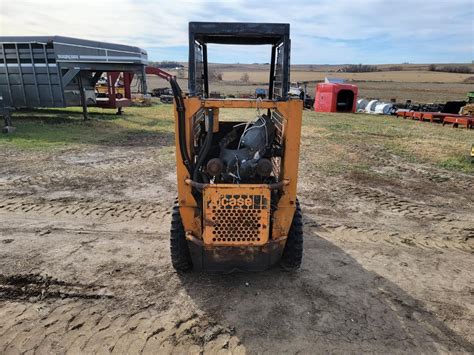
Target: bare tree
(245, 78)
(359, 68)
(460, 69)
(215, 75)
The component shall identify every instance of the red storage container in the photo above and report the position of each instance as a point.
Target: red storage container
(332, 97)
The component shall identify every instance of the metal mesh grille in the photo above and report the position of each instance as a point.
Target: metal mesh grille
(199, 70)
(198, 119)
(236, 218)
(278, 83)
(276, 167)
(280, 122)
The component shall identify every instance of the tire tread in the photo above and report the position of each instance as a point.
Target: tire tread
(293, 252)
(180, 255)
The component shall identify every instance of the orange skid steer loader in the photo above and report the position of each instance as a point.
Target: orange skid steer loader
(237, 207)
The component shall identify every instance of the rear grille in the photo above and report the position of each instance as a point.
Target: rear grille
(236, 218)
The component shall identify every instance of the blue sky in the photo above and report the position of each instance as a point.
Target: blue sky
(322, 31)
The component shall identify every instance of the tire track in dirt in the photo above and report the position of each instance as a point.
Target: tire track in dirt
(353, 233)
(393, 203)
(82, 170)
(455, 232)
(102, 210)
(83, 180)
(454, 225)
(85, 327)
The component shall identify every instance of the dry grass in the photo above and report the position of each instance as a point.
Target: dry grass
(414, 82)
(417, 92)
(364, 141)
(383, 90)
(359, 140)
(397, 76)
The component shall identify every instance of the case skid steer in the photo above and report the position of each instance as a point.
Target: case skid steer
(237, 207)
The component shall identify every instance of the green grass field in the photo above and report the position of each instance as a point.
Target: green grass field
(58, 128)
(332, 143)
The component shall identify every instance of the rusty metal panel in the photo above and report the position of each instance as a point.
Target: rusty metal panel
(236, 215)
(459, 120)
(417, 116)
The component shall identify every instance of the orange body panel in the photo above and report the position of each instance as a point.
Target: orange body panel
(197, 220)
(236, 215)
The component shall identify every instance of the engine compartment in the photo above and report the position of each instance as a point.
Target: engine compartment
(238, 152)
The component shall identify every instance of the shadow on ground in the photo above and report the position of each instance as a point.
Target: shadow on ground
(332, 304)
(61, 115)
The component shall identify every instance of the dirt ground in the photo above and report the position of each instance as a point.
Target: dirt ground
(85, 267)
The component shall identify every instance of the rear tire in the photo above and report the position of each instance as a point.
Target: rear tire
(293, 252)
(180, 256)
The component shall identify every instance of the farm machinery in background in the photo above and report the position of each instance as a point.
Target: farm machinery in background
(297, 90)
(165, 94)
(468, 109)
(300, 90)
(112, 87)
(455, 113)
(102, 88)
(375, 106)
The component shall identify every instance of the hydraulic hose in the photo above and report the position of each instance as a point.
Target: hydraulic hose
(178, 97)
(206, 146)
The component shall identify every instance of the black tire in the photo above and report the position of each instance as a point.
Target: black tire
(180, 256)
(293, 252)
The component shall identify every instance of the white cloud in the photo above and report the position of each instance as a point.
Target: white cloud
(322, 30)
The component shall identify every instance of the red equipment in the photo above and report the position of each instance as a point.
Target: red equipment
(467, 121)
(157, 71)
(334, 97)
(441, 117)
(111, 100)
(402, 114)
(417, 115)
(433, 116)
